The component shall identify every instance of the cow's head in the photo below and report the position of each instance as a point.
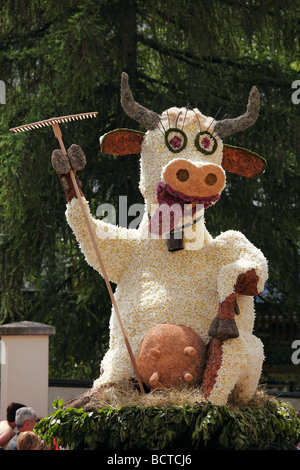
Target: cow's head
(182, 153)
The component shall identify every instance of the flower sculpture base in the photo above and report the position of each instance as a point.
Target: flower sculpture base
(168, 420)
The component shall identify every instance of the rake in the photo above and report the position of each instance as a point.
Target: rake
(54, 122)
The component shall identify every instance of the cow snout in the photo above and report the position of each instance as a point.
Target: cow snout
(191, 180)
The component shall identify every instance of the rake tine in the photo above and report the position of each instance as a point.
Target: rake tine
(53, 120)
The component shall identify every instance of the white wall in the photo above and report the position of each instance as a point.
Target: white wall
(24, 365)
(24, 375)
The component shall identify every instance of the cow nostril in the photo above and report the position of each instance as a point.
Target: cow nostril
(211, 179)
(182, 175)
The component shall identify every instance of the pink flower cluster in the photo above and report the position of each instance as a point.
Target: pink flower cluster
(205, 142)
(176, 142)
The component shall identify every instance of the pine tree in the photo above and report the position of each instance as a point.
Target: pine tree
(59, 58)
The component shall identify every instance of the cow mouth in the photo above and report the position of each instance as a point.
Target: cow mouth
(160, 225)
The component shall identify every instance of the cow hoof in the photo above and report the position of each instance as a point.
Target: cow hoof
(223, 329)
(60, 162)
(77, 157)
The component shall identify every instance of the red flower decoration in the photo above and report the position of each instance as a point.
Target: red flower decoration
(205, 142)
(176, 142)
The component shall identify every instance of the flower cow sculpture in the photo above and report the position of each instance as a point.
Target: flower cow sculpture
(170, 270)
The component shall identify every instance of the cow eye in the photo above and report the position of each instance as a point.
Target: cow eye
(175, 139)
(205, 142)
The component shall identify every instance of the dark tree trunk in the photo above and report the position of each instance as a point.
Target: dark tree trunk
(126, 31)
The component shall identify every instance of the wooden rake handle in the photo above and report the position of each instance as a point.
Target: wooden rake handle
(58, 135)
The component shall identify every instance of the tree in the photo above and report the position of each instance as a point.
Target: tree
(63, 58)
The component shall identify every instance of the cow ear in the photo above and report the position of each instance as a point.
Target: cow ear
(242, 161)
(122, 142)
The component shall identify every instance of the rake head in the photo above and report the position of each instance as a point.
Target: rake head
(53, 121)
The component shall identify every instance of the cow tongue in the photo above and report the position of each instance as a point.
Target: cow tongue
(164, 219)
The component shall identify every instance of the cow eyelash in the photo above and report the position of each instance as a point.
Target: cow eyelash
(168, 118)
(186, 110)
(169, 122)
(215, 117)
(222, 119)
(179, 137)
(163, 132)
(176, 122)
(189, 107)
(197, 119)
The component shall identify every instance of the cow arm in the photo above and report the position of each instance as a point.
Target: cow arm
(246, 275)
(223, 327)
(116, 244)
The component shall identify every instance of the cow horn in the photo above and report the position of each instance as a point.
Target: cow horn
(147, 118)
(227, 127)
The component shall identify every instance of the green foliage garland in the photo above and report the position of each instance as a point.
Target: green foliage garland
(200, 426)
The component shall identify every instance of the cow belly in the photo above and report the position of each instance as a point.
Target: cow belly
(158, 287)
(145, 300)
(148, 297)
